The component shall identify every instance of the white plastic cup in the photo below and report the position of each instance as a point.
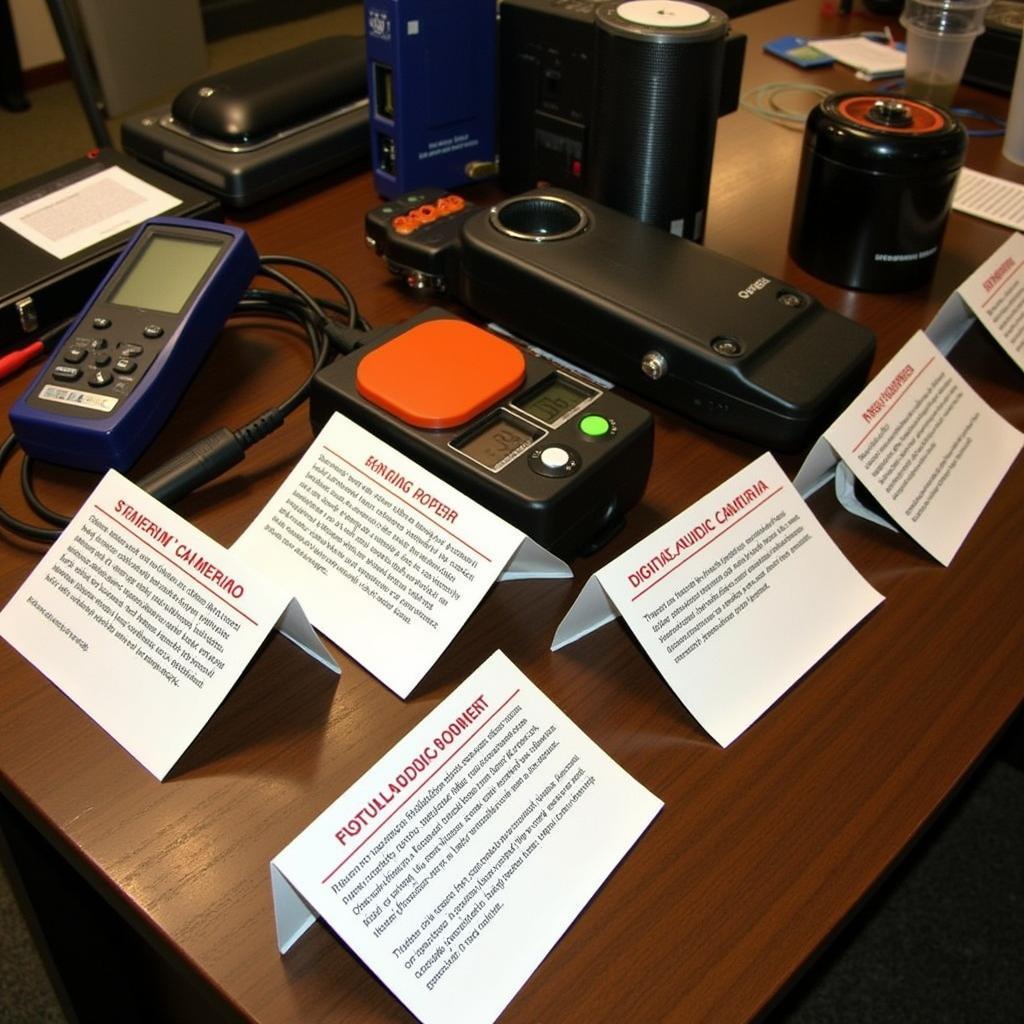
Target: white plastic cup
(1013, 140)
(940, 35)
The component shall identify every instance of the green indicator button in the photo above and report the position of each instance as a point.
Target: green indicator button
(595, 426)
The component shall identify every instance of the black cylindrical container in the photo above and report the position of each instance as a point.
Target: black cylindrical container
(656, 105)
(877, 176)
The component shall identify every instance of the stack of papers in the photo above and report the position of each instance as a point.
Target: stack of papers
(868, 58)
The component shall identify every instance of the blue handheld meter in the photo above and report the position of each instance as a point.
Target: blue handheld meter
(122, 366)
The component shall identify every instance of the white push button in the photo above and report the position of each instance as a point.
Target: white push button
(555, 457)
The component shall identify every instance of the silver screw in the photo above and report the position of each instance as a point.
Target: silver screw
(654, 365)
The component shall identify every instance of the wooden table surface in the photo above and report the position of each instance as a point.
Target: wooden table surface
(762, 850)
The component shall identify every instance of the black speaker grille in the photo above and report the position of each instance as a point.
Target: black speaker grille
(655, 115)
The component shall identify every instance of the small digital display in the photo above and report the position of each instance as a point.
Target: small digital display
(555, 399)
(500, 441)
(166, 273)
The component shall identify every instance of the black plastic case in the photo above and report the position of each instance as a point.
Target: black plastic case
(567, 515)
(704, 335)
(256, 130)
(38, 290)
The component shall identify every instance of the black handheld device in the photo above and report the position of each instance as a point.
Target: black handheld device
(417, 235)
(704, 335)
(125, 361)
(550, 451)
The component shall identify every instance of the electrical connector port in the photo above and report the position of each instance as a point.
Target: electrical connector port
(384, 91)
(387, 161)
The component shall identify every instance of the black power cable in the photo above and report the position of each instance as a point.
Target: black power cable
(328, 334)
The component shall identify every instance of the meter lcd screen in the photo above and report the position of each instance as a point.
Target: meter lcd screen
(498, 442)
(166, 273)
(555, 399)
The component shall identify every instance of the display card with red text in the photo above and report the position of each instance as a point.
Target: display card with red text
(145, 622)
(733, 600)
(924, 445)
(388, 560)
(994, 294)
(456, 863)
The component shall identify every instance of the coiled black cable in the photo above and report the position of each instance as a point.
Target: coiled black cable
(331, 327)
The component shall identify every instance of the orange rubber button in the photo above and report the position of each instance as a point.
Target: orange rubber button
(440, 374)
(451, 204)
(404, 225)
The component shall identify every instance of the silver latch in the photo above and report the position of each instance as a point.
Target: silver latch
(28, 316)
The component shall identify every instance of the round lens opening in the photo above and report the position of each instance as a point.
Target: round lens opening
(539, 218)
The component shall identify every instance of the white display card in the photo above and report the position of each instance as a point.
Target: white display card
(994, 294)
(990, 198)
(456, 863)
(388, 560)
(145, 622)
(95, 207)
(923, 443)
(869, 58)
(733, 599)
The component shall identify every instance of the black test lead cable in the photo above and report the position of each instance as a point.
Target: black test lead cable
(213, 455)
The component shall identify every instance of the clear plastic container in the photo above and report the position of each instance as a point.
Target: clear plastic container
(940, 35)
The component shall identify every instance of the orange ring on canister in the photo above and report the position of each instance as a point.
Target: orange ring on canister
(924, 118)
